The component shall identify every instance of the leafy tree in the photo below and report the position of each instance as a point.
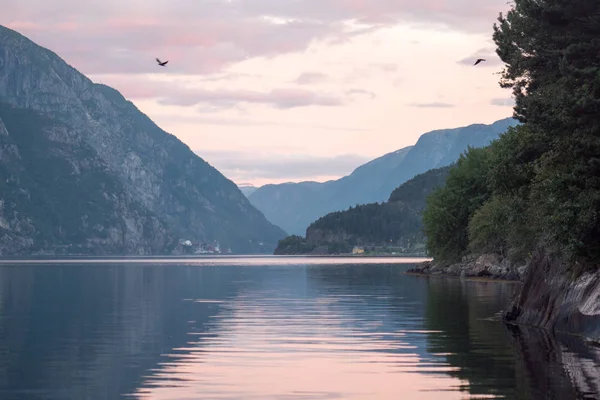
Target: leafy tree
(488, 228)
(293, 244)
(449, 209)
(414, 191)
(552, 53)
(513, 163)
(513, 158)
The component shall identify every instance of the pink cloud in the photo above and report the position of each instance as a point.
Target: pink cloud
(24, 26)
(180, 95)
(386, 67)
(308, 78)
(279, 98)
(204, 36)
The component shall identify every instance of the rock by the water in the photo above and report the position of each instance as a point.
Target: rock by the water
(553, 299)
(485, 266)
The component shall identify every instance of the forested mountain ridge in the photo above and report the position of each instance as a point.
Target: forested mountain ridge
(293, 206)
(157, 170)
(392, 224)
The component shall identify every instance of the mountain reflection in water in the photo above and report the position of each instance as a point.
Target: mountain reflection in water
(272, 328)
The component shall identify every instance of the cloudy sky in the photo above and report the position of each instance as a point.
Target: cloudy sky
(284, 90)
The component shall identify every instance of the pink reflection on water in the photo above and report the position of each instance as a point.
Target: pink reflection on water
(261, 350)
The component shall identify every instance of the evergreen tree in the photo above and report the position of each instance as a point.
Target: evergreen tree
(552, 53)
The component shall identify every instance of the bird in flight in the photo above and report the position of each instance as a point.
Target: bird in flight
(161, 63)
(479, 60)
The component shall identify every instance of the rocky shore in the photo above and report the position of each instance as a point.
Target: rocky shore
(551, 297)
(558, 299)
(489, 266)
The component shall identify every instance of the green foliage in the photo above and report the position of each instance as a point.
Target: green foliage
(339, 248)
(414, 191)
(551, 49)
(567, 198)
(367, 224)
(293, 245)
(512, 161)
(449, 208)
(488, 227)
(543, 177)
(396, 223)
(502, 225)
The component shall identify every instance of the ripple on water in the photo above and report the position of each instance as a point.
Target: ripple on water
(288, 328)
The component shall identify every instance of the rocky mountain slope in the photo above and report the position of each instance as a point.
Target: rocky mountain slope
(57, 196)
(188, 197)
(293, 206)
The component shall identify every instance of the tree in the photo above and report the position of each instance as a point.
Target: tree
(449, 208)
(552, 53)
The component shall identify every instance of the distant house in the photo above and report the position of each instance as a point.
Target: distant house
(358, 250)
(185, 242)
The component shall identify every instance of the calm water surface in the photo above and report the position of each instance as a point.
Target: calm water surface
(284, 328)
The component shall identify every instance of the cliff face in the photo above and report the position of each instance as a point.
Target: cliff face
(192, 198)
(552, 299)
(57, 195)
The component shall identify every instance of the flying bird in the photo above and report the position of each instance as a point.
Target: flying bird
(161, 63)
(479, 60)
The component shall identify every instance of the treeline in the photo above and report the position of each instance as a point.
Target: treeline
(396, 223)
(538, 185)
(367, 224)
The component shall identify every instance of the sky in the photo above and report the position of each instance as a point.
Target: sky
(271, 91)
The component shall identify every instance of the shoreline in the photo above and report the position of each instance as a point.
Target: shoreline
(466, 278)
(549, 297)
(488, 267)
(401, 259)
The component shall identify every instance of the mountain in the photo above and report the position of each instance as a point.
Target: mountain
(152, 185)
(58, 196)
(293, 206)
(393, 224)
(247, 190)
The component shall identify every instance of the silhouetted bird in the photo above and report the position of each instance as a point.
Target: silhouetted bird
(479, 60)
(162, 64)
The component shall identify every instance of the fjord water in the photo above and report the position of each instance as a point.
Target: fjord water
(271, 328)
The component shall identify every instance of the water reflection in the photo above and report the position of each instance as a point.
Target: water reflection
(292, 329)
(557, 367)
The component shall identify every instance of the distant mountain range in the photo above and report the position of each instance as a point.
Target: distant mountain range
(293, 206)
(247, 189)
(83, 171)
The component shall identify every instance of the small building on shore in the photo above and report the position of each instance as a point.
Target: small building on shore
(358, 250)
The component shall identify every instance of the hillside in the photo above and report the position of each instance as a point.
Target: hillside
(57, 195)
(293, 206)
(155, 170)
(395, 223)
